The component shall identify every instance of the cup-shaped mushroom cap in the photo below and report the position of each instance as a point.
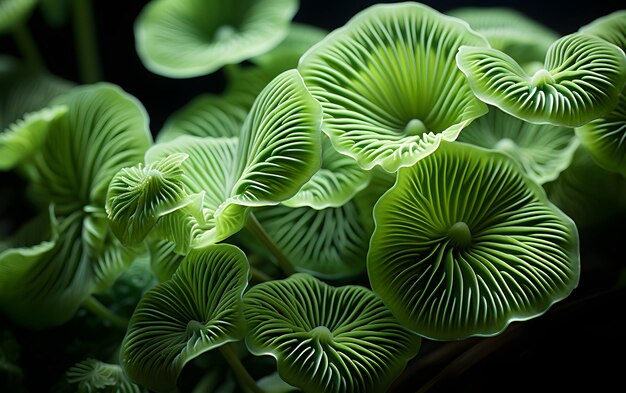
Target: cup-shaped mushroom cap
(92, 375)
(464, 244)
(581, 80)
(509, 31)
(103, 131)
(611, 28)
(206, 115)
(14, 13)
(187, 38)
(542, 151)
(327, 339)
(277, 152)
(389, 85)
(198, 309)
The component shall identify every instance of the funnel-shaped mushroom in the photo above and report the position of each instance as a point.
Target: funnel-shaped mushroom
(327, 339)
(44, 281)
(186, 38)
(581, 80)
(278, 151)
(198, 309)
(605, 137)
(92, 375)
(389, 85)
(541, 150)
(464, 244)
(509, 31)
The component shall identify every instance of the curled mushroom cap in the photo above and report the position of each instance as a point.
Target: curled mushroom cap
(389, 86)
(327, 339)
(464, 244)
(186, 38)
(581, 80)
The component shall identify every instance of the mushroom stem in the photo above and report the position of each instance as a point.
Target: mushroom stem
(259, 275)
(243, 377)
(27, 46)
(97, 308)
(255, 227)
(86, 43)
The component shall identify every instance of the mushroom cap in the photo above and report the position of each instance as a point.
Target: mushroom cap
(464, 244)
(187, 38)
(581, 80)
(389, 85)
(198, 309)
(327, 339)
(14, 13)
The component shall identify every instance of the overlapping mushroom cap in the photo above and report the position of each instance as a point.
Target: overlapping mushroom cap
(389, 85)
(327, 339)
(45, 276)
(198, 309)
(464, 244)
(186, 38)
(541, 150)
(92, 375)
(581, 80)
(196, 191)
(605, 137)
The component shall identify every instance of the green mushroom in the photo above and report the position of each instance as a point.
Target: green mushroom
(581, 80)
(327, 339)
(70, 251)
(605, 137)
(91, 375)
(213, 182)
(198, 309)
(541, 150)
(389, 85)
(187, 38)
(464, 244)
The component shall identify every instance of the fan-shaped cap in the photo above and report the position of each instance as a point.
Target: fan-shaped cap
(327, 339)
(542, 151)
(509, 31)
(186, 38)
(279, 151)
(581, 80)
(198, 309)
(389, 86)
(14, 12)
(92, 375)
(464, 244)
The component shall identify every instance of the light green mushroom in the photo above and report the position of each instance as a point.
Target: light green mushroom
(327, 339)
(464, 244)
(187, 38)
(389, 85)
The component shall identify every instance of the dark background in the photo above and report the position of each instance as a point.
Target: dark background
(578, 343)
